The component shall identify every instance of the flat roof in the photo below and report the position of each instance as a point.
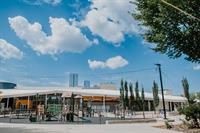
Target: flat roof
(31, 91)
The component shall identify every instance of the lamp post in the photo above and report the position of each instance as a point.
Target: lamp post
(162, 91)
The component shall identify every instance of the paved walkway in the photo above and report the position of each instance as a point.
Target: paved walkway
(56, 128)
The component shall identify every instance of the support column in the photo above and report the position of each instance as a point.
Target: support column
(104, 104)
(91, 101)
(28, 103)
(36, 106)
(182, 104)
(46, 100)
(149, 105)
(14, 103)
(7, 102)
(170, 106)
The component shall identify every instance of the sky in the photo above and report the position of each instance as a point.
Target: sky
(42, 41)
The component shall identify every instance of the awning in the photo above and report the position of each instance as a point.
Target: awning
(78, 97)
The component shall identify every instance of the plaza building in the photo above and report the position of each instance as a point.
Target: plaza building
(100, 100)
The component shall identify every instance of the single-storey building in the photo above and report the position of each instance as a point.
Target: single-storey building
(26, 98)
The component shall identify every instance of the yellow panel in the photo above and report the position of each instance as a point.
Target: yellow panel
(18, 102)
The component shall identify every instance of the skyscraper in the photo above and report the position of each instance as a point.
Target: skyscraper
(86, 84)
(73, 80)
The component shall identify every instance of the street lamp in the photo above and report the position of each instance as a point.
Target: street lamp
(162, 91)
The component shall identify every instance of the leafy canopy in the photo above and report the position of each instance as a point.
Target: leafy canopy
(174, 32)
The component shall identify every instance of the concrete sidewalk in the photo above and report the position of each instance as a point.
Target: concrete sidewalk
(56, 128)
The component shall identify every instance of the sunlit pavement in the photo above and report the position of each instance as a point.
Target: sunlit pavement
(56, 128)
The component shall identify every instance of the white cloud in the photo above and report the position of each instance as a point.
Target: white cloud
(64, 36)
(8, 51)
(116, 62)
(110, 19)
(197, 67)
(95, 41)
(39, 2)
(96, 64)
(112, 63)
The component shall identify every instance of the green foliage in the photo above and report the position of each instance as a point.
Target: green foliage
(137, 97)
(186, 124)
(168, 125)
(155, 94)
(174, 33)
(195, 96)
(192, 114)
(142, 96)
(126, 100)
(132, 97)
(198, 95)
(122, 94)
(192, 110)
(185, 85)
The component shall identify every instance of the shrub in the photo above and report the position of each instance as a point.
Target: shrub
(186, 124)
(192, 114)
(168, 125)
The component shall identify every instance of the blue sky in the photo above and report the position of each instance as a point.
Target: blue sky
(42, 41)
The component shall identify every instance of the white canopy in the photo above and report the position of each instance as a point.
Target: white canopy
(67, 94)
(31, 91)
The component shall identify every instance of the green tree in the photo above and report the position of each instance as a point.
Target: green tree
(192, 114)
(122, 94)
(156, 99)
(192, 110)
(143, 101)
(137, 97)
(198, 95)
(132, 98)
(173, 31)
(185, 85)
(126, 100)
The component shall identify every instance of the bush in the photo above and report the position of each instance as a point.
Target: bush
(168, 125)
(186, 124)
(192, 114)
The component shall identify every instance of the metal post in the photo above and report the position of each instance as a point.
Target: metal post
(7, 103)
(162, 91)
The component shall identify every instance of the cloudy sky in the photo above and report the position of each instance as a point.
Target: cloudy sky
(42, 41)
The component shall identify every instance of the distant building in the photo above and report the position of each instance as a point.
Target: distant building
(96, 87)
(86, 84)
(73, 80)
(166, 92)
(107, 86)
(7, 85)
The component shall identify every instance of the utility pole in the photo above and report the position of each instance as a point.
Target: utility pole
(162, 91)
